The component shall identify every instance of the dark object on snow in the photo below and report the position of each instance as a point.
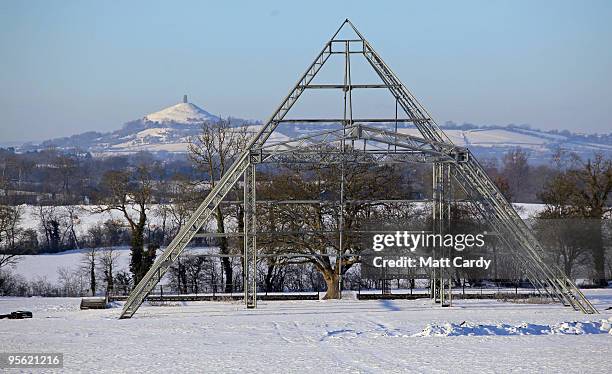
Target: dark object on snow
(609, 308)
(94, 303)
(20, 314)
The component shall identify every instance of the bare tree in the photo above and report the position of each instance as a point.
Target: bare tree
(190, 272)
(213, 151)
(114, 232)
(131, 194)
(71, 219)
(590, 185)
(516, 173)
(89, 262)
(183, 198)
(565, 239)
(4, 183)
(556, 223)
(122, 282)
(72, 282)
(312, 231)
(9, 220)
(67, 168)
(50, 226)
(108, 258)
(195, 266)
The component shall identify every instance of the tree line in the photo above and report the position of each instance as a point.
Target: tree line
(142, 186)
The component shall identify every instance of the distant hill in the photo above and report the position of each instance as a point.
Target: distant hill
(170, 129)
(167, 130)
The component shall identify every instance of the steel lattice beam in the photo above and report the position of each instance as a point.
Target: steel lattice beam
(250, 238)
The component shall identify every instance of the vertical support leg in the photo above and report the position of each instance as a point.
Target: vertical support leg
(435, 197)
(436, 213)
(432, 285)
(441, 222)
(447, 281)
(250, 240)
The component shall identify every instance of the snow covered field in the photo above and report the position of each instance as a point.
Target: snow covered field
(305, 336)
(46, 266)
(317, 336)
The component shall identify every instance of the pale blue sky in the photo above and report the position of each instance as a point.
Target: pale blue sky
(72, 66)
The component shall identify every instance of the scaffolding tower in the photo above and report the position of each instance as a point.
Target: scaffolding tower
(364, 140)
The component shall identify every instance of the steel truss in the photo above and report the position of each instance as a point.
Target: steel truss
(250, 238)
(362, 140)
(441, 279)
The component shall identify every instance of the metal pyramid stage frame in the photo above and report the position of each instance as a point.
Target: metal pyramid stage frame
(365, 140)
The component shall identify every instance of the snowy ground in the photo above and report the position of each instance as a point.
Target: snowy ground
(46, 266)
(315, 336)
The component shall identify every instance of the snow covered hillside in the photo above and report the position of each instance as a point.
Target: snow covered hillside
(167, 130)
(486, 140)
(170, 129)
(340, 336)
(181, 113)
